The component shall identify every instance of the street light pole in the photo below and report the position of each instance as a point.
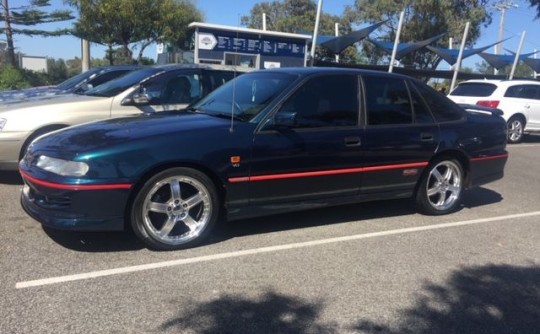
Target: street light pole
(502, 6)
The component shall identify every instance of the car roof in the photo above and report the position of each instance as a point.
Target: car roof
(305, 71)
(503, 82)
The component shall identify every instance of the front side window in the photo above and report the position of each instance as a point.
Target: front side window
(174, 88)
(323, 101)
(387, 101)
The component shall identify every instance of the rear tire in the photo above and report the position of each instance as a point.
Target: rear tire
(441, 187)
(175, 209)
(515, 125)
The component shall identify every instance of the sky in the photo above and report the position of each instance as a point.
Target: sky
(228, 12)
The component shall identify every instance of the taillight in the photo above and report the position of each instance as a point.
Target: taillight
(488, 103)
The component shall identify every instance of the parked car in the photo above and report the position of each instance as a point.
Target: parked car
(146, 90)
(267, 142)
(518, 99)
(77, 84)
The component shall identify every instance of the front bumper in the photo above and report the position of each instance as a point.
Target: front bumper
(10, 149)
(80, 210)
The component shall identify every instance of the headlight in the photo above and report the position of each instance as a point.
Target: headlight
(2, 123)
(62, 167)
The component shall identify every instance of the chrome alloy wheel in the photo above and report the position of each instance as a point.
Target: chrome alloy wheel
(444, 185)
(515, 130)
(177, 210)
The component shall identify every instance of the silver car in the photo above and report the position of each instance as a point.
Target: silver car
(150, 89)
(77, 84)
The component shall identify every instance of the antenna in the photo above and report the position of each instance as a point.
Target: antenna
(236, 56)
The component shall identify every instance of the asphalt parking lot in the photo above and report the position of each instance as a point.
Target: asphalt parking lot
(367, 268)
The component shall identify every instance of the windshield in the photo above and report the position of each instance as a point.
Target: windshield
(116, 86)
(76, 80)
(245, 96)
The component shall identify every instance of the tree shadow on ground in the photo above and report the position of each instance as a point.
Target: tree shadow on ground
(500, 299)
(271, 313)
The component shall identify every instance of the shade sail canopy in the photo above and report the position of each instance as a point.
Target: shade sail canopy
(404, 49)
(451, 55)
(500, 61)
(533, 63)
(338, 44)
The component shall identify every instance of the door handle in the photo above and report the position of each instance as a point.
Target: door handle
(426, 136)
(352, 141)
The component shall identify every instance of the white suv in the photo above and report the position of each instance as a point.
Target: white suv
(518, 99)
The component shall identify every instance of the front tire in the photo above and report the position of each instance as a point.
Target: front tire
(516, 125)
(175, 209)
(441, 187)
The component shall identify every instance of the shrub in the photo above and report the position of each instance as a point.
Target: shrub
(12, 78)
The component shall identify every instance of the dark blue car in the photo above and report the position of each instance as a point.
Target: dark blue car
(267, 142)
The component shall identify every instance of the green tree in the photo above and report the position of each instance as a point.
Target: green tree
(298, 16)
(17, 21)
(422, 20)
(537, 4)
(56, 70)
(133, 24)
(522, 70)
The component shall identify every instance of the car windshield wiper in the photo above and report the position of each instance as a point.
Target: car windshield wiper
(226, 115)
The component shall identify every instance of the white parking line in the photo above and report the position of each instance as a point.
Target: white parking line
(522, 145)
(157, 265)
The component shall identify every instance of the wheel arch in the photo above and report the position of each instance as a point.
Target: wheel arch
(519, 115)
(458, 155)
(218, 184)
(39, 132)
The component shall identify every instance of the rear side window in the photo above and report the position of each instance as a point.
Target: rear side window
(524, 92)
(441, 107)
(387, 101)
(474, 89)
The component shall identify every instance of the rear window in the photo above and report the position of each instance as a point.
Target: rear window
(474, 89)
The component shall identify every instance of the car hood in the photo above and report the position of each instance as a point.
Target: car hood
(41, 104)
(141, 130)
(22, 94)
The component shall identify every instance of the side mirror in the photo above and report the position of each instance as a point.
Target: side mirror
(283, 120)
(137, 99)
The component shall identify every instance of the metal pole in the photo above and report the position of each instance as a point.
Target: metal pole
(396, 42)
(535, 73)
(516, 59)
(451, 46)
(337, 34)
(502, 6)
(85, 50)
(315, 33)
(460, 55)
(264, 21)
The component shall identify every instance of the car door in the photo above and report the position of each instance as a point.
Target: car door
(531, 96)
(311, 147)
(400, 135)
